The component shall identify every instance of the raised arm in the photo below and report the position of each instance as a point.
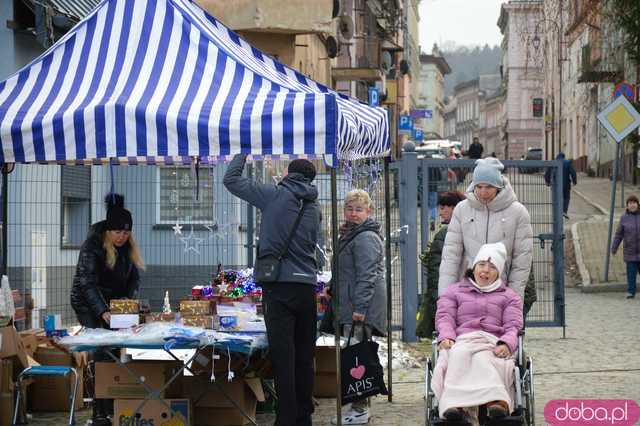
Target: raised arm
(257, 194)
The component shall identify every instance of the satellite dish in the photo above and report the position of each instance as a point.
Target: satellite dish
(386, 61)
(336, 9)
(331, 45)
(345, 28)
(404, 67)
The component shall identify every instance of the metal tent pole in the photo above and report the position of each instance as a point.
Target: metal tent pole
(335, 290)
(5, 215)
(387, 257)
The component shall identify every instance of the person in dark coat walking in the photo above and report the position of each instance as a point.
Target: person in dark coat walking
(475, 149)
(430, 259)
(569, 176)
(290, 302)
(108, 268)
(628, 232)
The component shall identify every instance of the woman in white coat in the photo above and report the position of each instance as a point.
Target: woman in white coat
(490, 214)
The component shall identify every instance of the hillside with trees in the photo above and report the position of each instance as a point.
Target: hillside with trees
(467, 63)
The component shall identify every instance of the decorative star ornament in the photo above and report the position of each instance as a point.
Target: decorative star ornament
(191, 242)
(177, 229)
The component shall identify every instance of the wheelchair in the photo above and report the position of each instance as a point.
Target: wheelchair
(524, 407)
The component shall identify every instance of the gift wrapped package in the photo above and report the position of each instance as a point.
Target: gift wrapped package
(124, 306)
(204, 321)
(160, 317)
(197, 307)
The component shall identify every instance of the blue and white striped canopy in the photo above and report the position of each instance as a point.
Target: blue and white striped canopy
(140, 80)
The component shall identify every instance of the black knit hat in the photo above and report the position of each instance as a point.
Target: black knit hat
(304, 167)
(118, 218)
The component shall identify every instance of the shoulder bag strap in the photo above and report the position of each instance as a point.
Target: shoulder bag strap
(283, 254)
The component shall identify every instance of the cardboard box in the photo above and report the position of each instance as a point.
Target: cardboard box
(153, 413)
(11, 346)
(119, 321)
(114, 381)
(30, 341)
(6, 392)
(51, 393)
(197, 307)
(124, 306)
(212, 408)
(325, 382)
(204, 321)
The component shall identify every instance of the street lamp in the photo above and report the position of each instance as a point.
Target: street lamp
(536, 45)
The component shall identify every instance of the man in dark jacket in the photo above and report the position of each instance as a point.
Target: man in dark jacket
(475, 149)
(290, 303)
(568, 177)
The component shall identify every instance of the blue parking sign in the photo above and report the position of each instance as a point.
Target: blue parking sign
(374, 97)
(418, 135)
(405, 123)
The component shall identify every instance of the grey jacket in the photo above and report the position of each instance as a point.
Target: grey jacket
(279, 205)
(362, 276)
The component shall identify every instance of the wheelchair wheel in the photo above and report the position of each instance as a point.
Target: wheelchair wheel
(529, 393)
(428, 394)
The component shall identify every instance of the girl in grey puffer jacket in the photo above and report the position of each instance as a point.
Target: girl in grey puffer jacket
(490, 214)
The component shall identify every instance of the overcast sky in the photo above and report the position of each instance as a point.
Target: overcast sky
(467, 22)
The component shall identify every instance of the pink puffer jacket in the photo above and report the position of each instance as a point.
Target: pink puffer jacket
(462, 309)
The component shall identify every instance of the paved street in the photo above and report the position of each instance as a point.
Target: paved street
(590, 204)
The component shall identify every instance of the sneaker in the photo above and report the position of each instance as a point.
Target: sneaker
(353, 416)
(497, 409)
(630, 296)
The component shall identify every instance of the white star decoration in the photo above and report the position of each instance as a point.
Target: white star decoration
(191, 242)
(177, 229)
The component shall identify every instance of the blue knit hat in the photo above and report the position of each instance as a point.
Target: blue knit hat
(488, 171)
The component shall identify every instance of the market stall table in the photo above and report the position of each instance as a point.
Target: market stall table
(169, 338)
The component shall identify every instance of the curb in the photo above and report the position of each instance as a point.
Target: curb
(588, 201)
(605, 288)
(582, 268)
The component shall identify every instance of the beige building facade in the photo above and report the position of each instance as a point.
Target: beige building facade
(433, 69)
(522, 79)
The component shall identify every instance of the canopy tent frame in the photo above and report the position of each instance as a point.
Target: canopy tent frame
(38, 122)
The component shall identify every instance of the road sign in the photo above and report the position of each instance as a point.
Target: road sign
(421, 113)
(624, 89)
(620, 118)
(374, 97)
(405, 124)
(418, 135)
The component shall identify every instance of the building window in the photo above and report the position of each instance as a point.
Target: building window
(75, 201)
(176, 190)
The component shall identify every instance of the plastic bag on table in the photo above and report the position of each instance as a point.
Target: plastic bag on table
(7, 307)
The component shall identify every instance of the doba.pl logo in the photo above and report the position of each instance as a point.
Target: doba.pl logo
(592, 412)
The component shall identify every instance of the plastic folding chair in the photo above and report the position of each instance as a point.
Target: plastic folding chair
(46, 370)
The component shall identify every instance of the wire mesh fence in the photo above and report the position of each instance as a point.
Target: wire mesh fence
(527, 180)
(188, 226)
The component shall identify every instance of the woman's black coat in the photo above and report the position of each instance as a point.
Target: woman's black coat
(94, 284)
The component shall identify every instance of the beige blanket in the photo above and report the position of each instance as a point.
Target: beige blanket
(469, 374)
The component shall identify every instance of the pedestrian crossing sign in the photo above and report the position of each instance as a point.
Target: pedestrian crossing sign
(620, 118)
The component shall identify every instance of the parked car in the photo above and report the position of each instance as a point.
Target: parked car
(532, 154)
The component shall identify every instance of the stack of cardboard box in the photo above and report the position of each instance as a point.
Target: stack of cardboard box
(199, 313)
(114, 381)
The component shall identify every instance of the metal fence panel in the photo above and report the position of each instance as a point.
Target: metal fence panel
(544, 203)
(47, 223)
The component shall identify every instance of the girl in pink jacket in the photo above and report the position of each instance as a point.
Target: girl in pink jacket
(478, 320)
